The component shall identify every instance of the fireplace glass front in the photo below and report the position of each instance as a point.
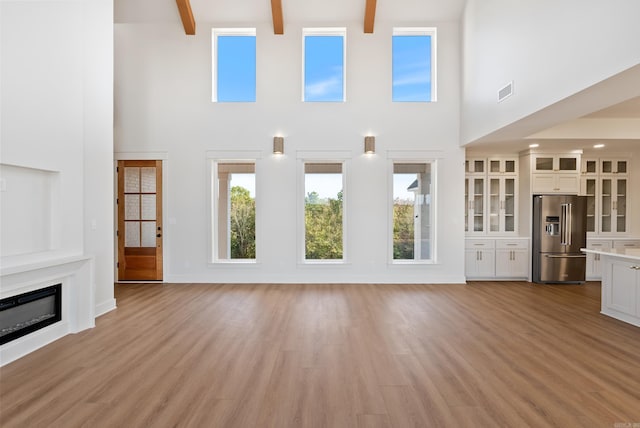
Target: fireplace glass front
(28, 312)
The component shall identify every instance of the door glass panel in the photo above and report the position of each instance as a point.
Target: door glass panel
(478, 205)
(132, 207)
(591, 167)
(510, 166)
(621, 206)
(478, 166)
(148, 179)
(622, 166)
(466, 205)
(132, 234)
(509, 205)
(148, 234)
(132, 180)
(607, 166)
(591, 204)
(494, 166)
(568, 164)
(606, 205)
(544, 164)
(148, 207)
(494, 205)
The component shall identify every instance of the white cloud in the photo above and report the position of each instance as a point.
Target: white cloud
(414, 78)
(326, 86)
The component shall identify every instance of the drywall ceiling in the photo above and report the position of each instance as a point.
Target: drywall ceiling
(325, 12)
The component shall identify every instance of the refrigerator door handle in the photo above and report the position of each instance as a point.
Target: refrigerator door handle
(569, 223)
(565, 224)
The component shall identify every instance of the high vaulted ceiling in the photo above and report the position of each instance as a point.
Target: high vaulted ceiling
(310, 12)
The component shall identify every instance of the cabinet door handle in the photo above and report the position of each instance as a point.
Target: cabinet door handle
(634, 267)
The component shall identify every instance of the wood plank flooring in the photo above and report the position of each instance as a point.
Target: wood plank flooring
(486, 354)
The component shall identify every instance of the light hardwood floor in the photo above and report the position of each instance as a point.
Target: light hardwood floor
(485, 354)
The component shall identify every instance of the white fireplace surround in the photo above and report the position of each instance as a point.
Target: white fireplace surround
(23, 274)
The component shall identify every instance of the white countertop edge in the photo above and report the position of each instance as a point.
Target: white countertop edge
(621, 253)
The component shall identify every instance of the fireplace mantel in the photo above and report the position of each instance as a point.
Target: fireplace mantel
(21, 274)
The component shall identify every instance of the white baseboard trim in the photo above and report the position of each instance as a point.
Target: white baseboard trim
(104, 307)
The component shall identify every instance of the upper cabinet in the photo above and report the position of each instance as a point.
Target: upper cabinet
(555, 173)
(605, 184)
(491, 196)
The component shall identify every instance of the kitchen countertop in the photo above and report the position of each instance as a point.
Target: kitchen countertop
(625, 253)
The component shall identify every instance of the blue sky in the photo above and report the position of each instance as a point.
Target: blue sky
(236, 68)
(323, 68)
(412, 68)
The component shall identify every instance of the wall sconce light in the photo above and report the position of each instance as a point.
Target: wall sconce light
(278, 145)
(369, 145)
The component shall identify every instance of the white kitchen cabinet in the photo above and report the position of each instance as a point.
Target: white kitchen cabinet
(626, 243)
(491, 203)
(502, 204)
(555, 173)
(614, 166)
(474, 220)
(549, 183)
(621, 291)
(613, 204)
(512, 258)
(502, 165)
(558, 163)
(594, 264)
(605, 183)
(480, 258)
(475, 166)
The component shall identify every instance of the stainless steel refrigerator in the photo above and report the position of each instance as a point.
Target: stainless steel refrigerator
(559, 231)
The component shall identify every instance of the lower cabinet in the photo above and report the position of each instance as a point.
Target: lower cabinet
(480, 258)
(594, 263)
(497, 258)
(621, 289)
(512, 259)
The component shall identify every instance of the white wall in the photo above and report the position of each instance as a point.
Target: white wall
(56, 115)
(163, 104)
(550, 50)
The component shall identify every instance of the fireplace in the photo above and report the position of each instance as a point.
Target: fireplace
(28, 312)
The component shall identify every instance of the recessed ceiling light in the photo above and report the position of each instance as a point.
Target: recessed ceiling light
(598, 146)
(534, 145)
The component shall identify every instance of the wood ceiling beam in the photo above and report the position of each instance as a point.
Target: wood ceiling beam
(369, 16)
(276, 13)
(189, 24)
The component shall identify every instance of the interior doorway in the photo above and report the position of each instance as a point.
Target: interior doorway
(139, 220)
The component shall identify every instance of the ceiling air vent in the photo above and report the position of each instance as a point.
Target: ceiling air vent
(505, 91)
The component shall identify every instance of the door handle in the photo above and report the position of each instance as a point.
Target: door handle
(551, 256)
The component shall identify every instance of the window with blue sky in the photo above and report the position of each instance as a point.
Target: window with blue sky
(413, 52)
(324, 64)
(234, 65)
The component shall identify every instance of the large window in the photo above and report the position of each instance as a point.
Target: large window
(235, 211)
(414, 70)
(413, 211)
(324, 64)
(234, 65)
(323, 211)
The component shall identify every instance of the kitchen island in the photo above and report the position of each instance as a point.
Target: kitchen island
(620, 283)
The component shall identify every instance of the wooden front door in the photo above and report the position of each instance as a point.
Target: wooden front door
(140, 220)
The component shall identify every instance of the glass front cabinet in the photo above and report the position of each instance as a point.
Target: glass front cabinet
(605, 185)
(491, 196)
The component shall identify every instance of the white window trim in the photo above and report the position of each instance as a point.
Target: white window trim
(326, 31)
(434, 210)
(301, 212)
(425, 31)
(213, 159)
(215, 32)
